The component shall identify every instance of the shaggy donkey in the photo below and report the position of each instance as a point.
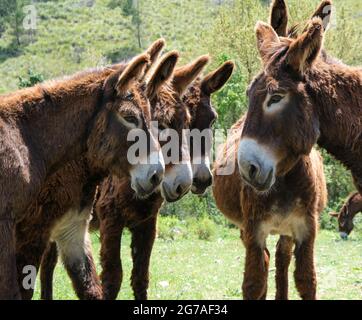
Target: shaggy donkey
(44, 127)
(350, 209)
(62, 209)
(281, 186)
(114, 209)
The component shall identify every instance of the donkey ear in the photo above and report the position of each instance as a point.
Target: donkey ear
(279, 17)
(304, 50)
(185, 75)
(133, 72)
(215, 80)
(334, 214)
(266, 40)
(324, 11)
(162, 73)
(154, 51)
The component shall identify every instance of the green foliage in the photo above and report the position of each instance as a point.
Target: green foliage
(204, 228)
(32, 79)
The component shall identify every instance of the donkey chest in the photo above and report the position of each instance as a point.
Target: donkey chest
(290, 223)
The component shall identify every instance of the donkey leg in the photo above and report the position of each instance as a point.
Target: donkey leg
(29, 254)
(9, 289)
(48, 264)
(267, 259)
(112, 273)
(256, 272)
(304, 274)
(143, 238)
(283, 257)
(75, 250)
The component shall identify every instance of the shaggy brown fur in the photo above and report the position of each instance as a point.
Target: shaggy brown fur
(115, 211)
(42, 128)
(275, 212)
(62, 212)
(282, 94)
(350, 209)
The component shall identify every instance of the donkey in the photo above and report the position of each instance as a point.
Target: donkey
(62, 209)
(46, 126)
(350, 209)
(335, 95)
(114, 211)
(280, 187)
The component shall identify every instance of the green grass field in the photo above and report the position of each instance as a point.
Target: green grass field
(198, 269)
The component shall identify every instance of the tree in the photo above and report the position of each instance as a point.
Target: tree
(131, 8)
(12, 15)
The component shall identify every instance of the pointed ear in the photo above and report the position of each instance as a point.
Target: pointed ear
(279, 17)
(162, 73)
(324, 11)
(266, 40)
(133, 72)
(154, 51)
(304, 50)
(215, 80)
(185, 75)
(334, 214)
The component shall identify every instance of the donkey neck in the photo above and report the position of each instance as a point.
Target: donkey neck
(336, 90)
(54, 118)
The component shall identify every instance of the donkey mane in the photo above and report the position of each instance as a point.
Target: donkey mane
(49, 92)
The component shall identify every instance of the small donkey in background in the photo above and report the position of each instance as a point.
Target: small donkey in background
(345, 217)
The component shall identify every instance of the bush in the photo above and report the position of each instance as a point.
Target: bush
(171, 228)
(32, 79)
(204, 228)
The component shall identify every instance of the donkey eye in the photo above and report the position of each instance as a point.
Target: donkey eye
(275, 99)
(131, 119)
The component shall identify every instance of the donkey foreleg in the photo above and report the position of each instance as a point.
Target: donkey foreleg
(9, 289)
(283, 257)
(75, 250)
(256, 272)
(304, 274)
(48, 264)
(143, 238)
(112, 274)
(29, 254)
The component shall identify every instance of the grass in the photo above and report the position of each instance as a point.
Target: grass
(196, 269)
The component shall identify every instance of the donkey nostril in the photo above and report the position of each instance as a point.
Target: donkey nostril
(155, 179)
(179, 190)
(253, 171)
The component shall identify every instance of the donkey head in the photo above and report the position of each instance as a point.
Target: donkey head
(347, 213)
(203, 116)
(172, 113)
(126, 108)
(281, 124)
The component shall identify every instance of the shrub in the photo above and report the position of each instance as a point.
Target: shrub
(32, 79)
(204, 228)
(171, 228)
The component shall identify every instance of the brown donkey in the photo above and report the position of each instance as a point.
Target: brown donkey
(115, 211)
(350, 209)
(335, 95)
(62, 210)
(280, 187)
(44, 127)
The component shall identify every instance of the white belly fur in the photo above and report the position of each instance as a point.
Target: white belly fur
(292, 224)
(71, 234)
